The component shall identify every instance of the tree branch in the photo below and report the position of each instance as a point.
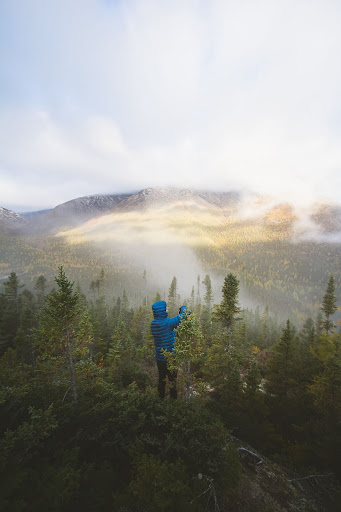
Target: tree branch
(310, 476)
(251, 453)
(68, 389)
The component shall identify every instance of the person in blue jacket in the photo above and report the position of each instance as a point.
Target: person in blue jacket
(164, 337)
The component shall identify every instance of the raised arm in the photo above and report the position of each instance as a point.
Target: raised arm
(175, 321)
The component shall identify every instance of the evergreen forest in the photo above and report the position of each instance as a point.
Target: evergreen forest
(288, 277)
(83, 428)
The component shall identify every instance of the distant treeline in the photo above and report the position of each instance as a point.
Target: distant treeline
(288, 277)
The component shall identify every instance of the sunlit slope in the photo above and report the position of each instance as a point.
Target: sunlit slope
(170, 215)
(188, 220)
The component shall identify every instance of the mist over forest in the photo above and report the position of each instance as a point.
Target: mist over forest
(282, 253)
(257, 354)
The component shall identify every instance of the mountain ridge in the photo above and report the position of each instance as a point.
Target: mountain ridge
(321, 219)
(10, 219)
(73, 212)
(264, 215)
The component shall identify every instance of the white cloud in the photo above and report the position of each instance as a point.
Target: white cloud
(113, 96)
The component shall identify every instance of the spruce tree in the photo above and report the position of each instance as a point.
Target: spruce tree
(264, 329)
(192, 300)
(144, 277)
(227, 310)
(24, 339)
(126, 313)
(157, 297)
(187, 349)
(124, 302)
(10, 313)
(329, 305)
(59, 319)
(92, 288)
(253, 379)
(307, 346)
(103, 325)
(208, 297)
(281, 369)
(172, 297)
(40, 287)
(198, 289)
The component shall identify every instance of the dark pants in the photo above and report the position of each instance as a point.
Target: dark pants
(164, 372)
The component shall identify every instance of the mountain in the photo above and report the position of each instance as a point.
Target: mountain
(192, 217)
(156, 216)
(257, 217)
(34, 215)
(158, 197)
(10, 220)
(74, 212)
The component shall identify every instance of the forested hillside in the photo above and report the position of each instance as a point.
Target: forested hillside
(289, 277)
(184, 239)
(82, 427)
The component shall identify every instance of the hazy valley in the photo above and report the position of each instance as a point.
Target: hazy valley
(282, 254)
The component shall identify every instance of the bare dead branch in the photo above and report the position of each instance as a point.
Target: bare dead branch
(260, 461)
(211, 491)
(68, 389)
(309, 477)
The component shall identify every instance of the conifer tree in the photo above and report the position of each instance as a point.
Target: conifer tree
(102, 324)
(59, 318)
(284, 383)
(24, 339)
(172, 297)
(319, 324)
(187, 349)
(192, 299)
(40, 287)
(144, 277)
(126, 312)
(329, 305)
(140, 325)
(208, 297)
(92, 288)
(307, 346)
(253, 379)
(198, 289)
(82, 296)
(125, 301)
(281, 370)
(264, 329)
(308, 332)
(157, 297)
(227, 310)
(10, 313)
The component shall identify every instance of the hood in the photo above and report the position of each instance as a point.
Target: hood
(159, 309)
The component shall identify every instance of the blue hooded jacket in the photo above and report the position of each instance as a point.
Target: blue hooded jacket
(163, 329)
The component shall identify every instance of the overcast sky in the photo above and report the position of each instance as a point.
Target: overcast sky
(110, 96)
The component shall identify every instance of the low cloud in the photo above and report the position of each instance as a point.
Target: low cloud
(105, 97)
